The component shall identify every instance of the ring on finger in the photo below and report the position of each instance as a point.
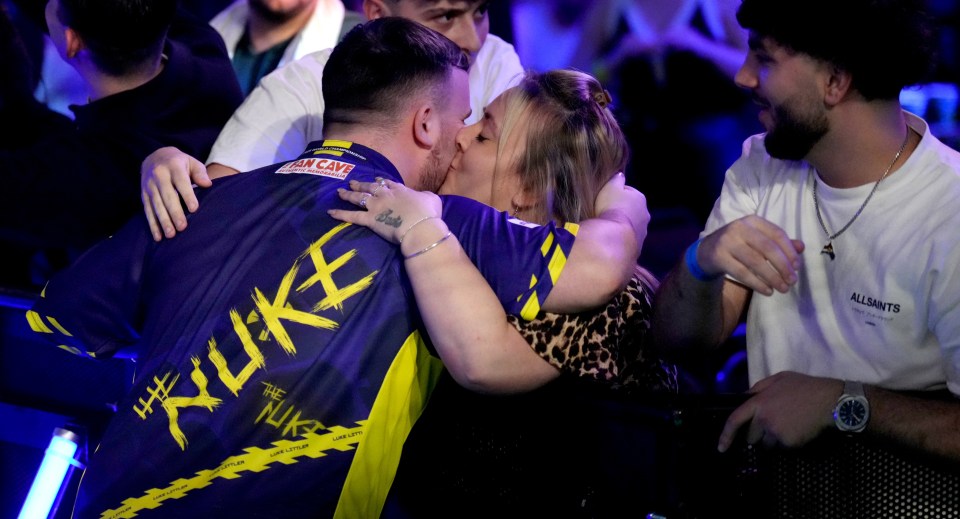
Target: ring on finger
(363, 200)
(380, 184)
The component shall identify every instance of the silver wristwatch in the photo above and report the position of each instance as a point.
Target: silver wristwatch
(852, 410)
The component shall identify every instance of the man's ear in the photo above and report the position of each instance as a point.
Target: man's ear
(374, 9)
(74, 43)
(839, 83)
(426, 127)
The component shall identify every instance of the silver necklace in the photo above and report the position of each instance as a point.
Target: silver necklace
(828, 248)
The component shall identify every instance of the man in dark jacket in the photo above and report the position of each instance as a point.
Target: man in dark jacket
(157, 77)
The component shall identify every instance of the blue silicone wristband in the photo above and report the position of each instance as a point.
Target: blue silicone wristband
(691, 259)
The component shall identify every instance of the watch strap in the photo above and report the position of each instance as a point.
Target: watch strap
(853, 388)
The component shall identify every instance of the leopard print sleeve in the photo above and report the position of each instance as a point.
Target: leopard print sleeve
(609, 345)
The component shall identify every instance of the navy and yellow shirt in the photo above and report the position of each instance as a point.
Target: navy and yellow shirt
(281, 362)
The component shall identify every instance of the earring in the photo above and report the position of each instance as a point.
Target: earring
(517, 208)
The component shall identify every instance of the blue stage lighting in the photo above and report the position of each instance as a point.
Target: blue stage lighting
(51, 474)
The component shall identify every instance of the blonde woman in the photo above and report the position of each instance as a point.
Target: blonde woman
(542, 151)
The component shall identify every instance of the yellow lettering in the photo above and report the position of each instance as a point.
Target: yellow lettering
(293, 426)
(253, 460)
(335, 296)
(273, 392)
(257, 361)
(271, 412)
(159, 392)
(273, 312)
(173, 404)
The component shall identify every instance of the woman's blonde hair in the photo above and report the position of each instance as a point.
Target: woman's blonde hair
(573, 143)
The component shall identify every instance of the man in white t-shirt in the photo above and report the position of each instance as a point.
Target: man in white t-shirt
(836, 233)
(285, 112)
(263, 35)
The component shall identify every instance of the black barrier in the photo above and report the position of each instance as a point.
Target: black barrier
(574, 452)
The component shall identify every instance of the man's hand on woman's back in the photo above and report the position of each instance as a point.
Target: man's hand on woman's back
(167, 176)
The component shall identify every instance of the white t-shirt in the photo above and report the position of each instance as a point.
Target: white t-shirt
(321, 31)
(285, 111)
(886, 311)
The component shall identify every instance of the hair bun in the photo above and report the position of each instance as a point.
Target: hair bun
(602, 98)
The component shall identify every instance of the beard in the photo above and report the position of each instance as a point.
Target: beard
(793, 134)
(274, 15)
(433, 172)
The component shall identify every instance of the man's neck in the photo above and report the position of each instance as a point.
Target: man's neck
(391, 147)
(265, 33)
(862, 143)
(104, 85)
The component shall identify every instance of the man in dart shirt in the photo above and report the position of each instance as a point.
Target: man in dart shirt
(281, 362)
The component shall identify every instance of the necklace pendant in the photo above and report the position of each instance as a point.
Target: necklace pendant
(828, 250)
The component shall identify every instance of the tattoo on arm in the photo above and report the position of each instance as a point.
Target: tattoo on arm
(392, 221)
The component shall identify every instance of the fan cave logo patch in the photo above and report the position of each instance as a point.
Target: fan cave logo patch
(323, 167)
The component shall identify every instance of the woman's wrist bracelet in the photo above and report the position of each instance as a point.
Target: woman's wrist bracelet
(429, 247)
(694, 266)
(404, 235)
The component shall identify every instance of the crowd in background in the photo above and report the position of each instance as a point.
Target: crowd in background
(667, 65)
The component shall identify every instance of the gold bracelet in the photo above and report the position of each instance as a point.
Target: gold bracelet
(404, 235)
(431, 246)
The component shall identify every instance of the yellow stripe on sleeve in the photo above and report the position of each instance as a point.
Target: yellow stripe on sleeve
(557, 262)
(533, 283)
(531, 308)
(573, 228)
(547, 243)
(59, 328)
(36, 322)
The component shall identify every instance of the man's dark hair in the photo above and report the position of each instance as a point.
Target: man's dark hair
(885, 45)
(378, 65)
(122, 35)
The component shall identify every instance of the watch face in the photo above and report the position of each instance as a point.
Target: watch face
(852, 413)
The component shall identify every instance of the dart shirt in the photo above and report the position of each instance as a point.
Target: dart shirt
(280, 355)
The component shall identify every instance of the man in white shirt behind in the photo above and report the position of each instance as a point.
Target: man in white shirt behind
(263, 35)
